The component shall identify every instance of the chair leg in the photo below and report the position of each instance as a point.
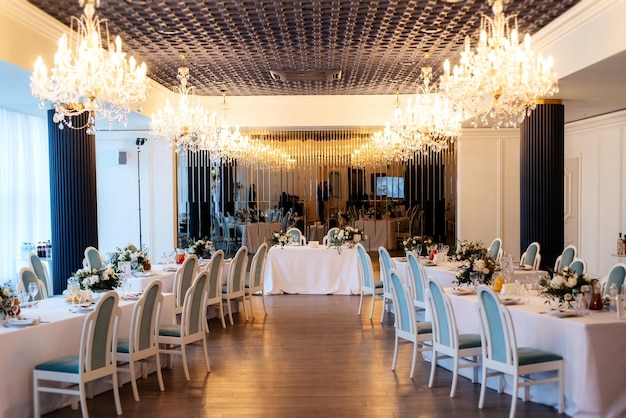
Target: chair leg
(222, 315)
(413, 361)
(230, 312)
(83, 399)
(372, 308)
(514, 394)
(382, 312)
(183, 353)
(35, 395)
(263, 298)
(433, 367)
(133, 379)
(159, 374)
(455, 376)
(245, 310)
(561, 390)
(483, 388)
(207, 363)
(116, 394)
(395, 354)
(360, 304)
(251, 307)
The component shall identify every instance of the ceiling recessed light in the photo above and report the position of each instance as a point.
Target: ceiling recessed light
(168, 31)
(452, 1)
(430, 29)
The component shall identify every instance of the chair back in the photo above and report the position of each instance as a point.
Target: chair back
(225, 229)
(284, 221)
(235, 273)
(616, 276)
(444, 323)
(405, 312)
(498, 337)
(98, 342)
(417, 281)
(495, 249)
(329, 235)
(257, 268)
(566, 258)
(184, 278)
(28, 276)
(385, 267)
(92, 258)
(214, 281)
(144, 324)
(296, 236)
(194, 308)
(531, 256)
(578, 266)
(365, 267)
(41, 271)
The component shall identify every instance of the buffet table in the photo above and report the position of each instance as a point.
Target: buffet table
(307, 270)
(24, 347)
(380, 233)
(255, 234)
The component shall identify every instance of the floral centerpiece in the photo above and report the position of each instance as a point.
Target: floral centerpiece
(346, 237)
(200, 247)
(95, 279)
(562, 286)
(138, 257)
(279, 238)
(411, 243)
(476, 263)
(7, 298)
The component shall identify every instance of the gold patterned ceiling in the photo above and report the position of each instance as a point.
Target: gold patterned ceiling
(378, 46)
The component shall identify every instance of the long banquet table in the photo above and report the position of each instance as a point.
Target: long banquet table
(592, 346)
(24, 347)
(307, 270)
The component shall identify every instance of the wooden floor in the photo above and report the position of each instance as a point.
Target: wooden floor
(311, 356)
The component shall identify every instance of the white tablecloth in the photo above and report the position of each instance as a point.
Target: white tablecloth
(380, 233)
(309, 270)
(138, 283)
(23, 348)
(253, 235)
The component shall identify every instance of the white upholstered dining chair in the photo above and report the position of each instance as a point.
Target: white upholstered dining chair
(93, 259)
(566, 258)
(256, 277)
(214, 284)
(182, 280)
(234, 289)
(369, 286)
(532, 256)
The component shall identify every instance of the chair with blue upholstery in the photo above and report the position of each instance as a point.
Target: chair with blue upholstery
(296, 236)
(28, 276)
(531, 257)
(406, 326)
(228, 231)
(214, 284)
(616, 276)
(502, 356)
(96, 358)
(41, 271)
(386, 264)
(369, 286)
(234, 289)
(566, 258)
(256, 278)
(329, 235)
(93, 259)
(495, 249)
(464, 349)
(578, 266)
(182, 280)
(141, 343)
(416, 282)
(191, 327)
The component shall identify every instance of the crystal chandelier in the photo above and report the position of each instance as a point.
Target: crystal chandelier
(189, 126)
(427, 123)
(499, 82)
(88, 78)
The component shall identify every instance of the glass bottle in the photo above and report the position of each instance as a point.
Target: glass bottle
(595, 302)
(620, 245)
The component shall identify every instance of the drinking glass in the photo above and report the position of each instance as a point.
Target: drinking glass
(419, 250)
(33, 289)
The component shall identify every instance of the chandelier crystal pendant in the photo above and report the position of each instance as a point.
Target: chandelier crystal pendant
(498, 83)
(187, 127)
(88, 78)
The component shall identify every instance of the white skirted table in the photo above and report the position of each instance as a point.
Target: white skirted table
(307, 270)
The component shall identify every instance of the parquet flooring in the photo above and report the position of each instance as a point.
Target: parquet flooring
(311, 356)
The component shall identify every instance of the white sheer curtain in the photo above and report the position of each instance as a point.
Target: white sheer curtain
(24, 188)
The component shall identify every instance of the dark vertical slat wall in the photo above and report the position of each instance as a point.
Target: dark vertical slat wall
(73, 197)
(542, 137)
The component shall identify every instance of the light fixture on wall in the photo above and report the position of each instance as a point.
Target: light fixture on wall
(497, 83)
(188, 126)
(88, 78)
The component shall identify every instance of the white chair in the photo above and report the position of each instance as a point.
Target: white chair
(447, 342)
(329, 235)
(93, 259)
(416, 282)
(41, 271)
(28, 276)
(256, 277)
(578, 266)
(495, 249)
(502, 355)
(182, 280)
(141, 343)
(531, 257)
(566, 258)
(386, 264)
(191, 327)
(296, 236)
(616, 276)
(96, 358)
(406, 326)
(234, 288)
(214, 284)
(366, 274)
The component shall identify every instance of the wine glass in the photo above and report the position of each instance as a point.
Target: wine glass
(419, 250)
(72, 289)
(33, 289)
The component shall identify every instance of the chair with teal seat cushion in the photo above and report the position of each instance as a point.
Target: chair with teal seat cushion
(93, 259)
(41, 271)
(96, 358)
(464, 349)
(141, 343)
(182, 280)
(255, 285)
(28, 276)
(495, 250)
(191, 327)
(616, 276)
(406, 326)
(501, 355)
(369, 286)
(578, 266)
(566, 258)
(385, 265)
(214, 284)
(234, 289)
(531, 257)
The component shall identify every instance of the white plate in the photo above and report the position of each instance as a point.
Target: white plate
(568, 313)
(142, 274)
(430, 263)
(170, 269)
(85, 307)
(132, 296)
(462, 291)
(510, 301)
(20, 322)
